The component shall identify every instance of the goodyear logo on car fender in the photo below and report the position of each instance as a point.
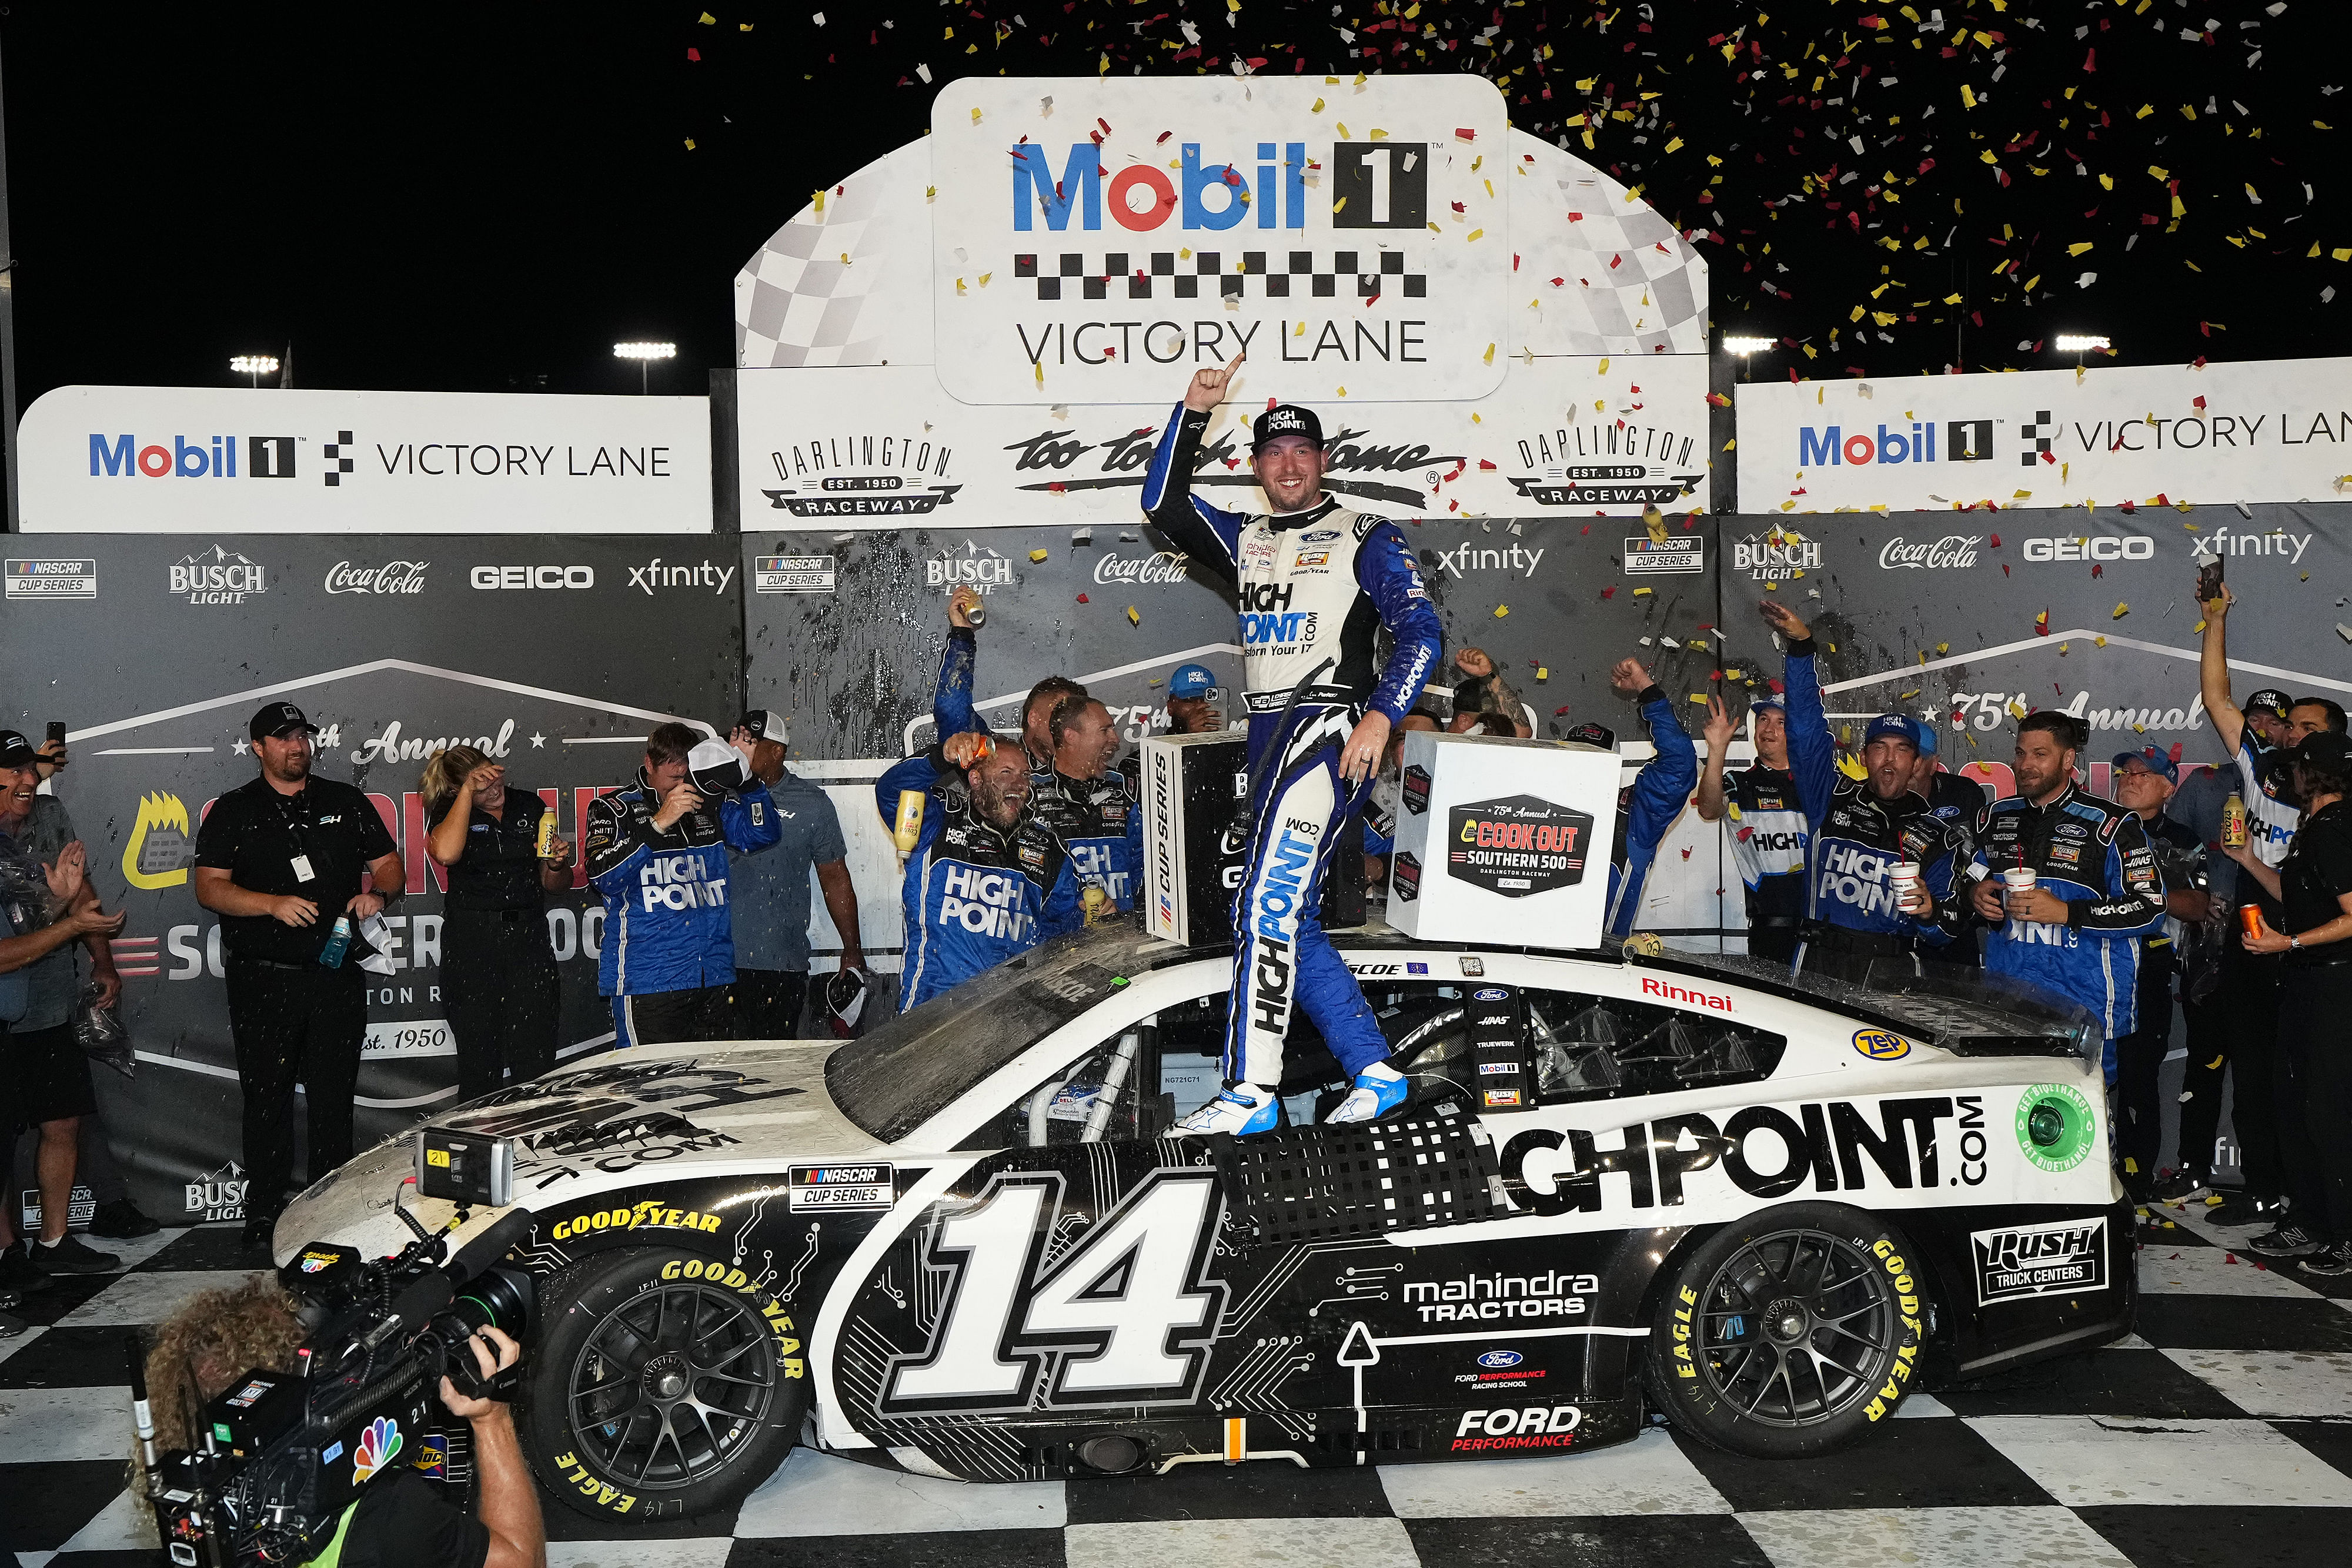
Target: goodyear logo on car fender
(646, 1214)
(1881, 1045)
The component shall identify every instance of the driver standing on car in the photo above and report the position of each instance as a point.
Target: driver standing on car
(987, 880)
(1317, 583)
(1864, 834)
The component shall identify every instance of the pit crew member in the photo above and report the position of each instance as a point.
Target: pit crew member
(1317, 583)
(1769, 831)
(2096, 892)
(951, 709)
(987, 880)
(657, 852)
(1647, 807)
(2144, 782)
(1862, 831)
(1091, 808)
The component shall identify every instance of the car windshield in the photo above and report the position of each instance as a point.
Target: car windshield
(911, 1068)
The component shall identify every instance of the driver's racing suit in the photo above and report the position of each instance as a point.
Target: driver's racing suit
(1316, 589)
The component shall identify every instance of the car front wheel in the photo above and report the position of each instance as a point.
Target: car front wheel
(665, 1386)
(1791, 1333)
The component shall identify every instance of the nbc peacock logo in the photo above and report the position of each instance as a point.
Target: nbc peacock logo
(377, 1446)
(161, 849)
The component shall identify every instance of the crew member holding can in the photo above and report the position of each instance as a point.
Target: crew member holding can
(2076, 887)
(497, 966)
(279, 860)
(2313, 937)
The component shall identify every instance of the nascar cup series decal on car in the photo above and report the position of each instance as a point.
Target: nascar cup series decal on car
(841, 1187)
(1881, 1045)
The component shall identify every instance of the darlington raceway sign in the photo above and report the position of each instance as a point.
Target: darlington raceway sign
(1093, 240)
(168, 459)
(874, 446)
(2258, 431)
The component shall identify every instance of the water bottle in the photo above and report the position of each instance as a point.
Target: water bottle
(339, 942)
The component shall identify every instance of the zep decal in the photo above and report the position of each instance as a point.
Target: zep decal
(1881, 1045)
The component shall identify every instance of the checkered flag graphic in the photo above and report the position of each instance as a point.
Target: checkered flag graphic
(1266, 275)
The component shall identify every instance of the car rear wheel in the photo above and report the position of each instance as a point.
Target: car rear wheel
(665, 1386)
(1791, 1333)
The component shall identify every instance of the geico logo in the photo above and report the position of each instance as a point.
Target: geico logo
(1266, 596)
(1834, 1144)
(1492, 1297)
(2090, 550)
(1530, 1419)
(1215, 195)
(1296, 626)
(648, 1214)
(505, 577)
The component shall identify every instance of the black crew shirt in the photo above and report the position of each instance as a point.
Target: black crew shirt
(253, 832)
(405, 1522)
(2317, 870)
(500, 866)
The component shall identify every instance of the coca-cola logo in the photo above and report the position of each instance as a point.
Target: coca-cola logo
(1951, 550)
(1163, 567)
(391, 577)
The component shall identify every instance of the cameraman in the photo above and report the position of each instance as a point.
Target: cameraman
(400, 1518)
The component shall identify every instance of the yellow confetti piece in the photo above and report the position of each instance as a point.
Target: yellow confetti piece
(1543, 672)
(1489, 355)
(1642, 592)
(983, 277)
(1343, 129)
(975, 117)
(1474, 233)
(1699, 697)
(1501, 611)
(2341, 253)
(2121, 610)
(2106, 182)
(690, 144)
(1343, 202)
(2079, 246)
(1605, 365)
(2102, 641)
(2156, 174)
(1038, 554)
(708, 20)
(1132, 618)
(1317, 109)
(1967, 95)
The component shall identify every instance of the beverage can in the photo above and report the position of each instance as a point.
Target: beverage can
(2250, 918)
(2234, 820)
(547, 835)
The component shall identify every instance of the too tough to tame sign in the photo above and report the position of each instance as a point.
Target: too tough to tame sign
(1093, 241)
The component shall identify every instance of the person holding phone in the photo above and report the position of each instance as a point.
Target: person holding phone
(278, 860)
(498, 966)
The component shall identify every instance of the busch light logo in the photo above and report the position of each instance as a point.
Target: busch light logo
(978, 568)
(217, 576)
(1774, 557)
(1965, 440)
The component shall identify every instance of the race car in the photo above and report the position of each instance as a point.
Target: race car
(967, 1245)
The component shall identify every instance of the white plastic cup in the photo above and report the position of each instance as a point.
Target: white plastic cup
(1902, 877)
(2019, 881)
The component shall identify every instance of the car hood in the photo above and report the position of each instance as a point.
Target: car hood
(600, 1127)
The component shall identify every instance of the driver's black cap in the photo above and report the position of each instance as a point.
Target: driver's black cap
(277, 721)
(1285, 418)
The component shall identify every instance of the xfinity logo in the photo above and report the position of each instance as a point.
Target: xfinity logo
(391, 577)
(511, 577)
(655, 573)
(2278, 541)
(217, 576)
(1519, 559)
(1163, 567)
(2086, 548)
(1951, 550)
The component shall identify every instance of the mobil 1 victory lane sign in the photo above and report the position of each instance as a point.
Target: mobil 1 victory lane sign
(1096, 241)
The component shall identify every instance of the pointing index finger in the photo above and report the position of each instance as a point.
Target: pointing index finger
(1236, 364)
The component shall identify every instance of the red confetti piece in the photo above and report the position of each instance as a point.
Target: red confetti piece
(1465, 133)
(1082, 598)
(1485, 466)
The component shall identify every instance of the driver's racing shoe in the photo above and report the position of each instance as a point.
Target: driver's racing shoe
(1241, 1110)
(1379, 1089)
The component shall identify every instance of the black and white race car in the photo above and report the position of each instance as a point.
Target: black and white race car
(967, 1246)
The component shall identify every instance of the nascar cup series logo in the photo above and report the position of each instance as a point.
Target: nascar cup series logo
(984, 903)
(681, 882)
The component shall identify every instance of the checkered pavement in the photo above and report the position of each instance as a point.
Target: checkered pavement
(2219, 1434)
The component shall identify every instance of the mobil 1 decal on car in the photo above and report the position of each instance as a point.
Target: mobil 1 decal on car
(1997, 1144)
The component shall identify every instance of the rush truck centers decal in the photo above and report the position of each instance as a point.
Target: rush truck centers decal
(2040, 1259)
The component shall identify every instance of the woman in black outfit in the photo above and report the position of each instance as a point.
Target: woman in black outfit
(2314, 887)
(498, 970)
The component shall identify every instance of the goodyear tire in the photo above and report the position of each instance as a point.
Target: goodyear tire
(1793, 1332)
(665, 1385)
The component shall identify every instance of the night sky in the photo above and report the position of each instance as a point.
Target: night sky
(486, 196)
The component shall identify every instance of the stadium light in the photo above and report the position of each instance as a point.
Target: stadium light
(2080, 343)
(644, 354)
(254, 366)
(1745, 345)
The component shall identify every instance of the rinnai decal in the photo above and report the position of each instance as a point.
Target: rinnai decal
(867, 476)
(1689, 996)
(1517, 846)
(217, 576)
(2061, 1256)
(391, 577)
(1935, 1146)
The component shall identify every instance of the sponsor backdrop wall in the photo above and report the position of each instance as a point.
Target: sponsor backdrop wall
(556, 655)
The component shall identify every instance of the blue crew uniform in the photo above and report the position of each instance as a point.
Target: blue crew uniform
(1101, 826)
(975, 894)
(2096, 855)
(667, 930)
(1316, 589)
(1648, 806)
(1851, 913)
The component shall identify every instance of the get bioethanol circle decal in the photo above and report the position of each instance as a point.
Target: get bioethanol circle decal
(2054, 1126)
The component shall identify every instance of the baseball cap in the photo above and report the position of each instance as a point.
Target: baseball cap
(1590, 734)
(1923, 736)
(766, 724)
(15, 751)
(1193, 681)
(1285, 418)
(277, 721)
(716, 767)
(2325, 746)
(1892, 727)
(2270, 698)
(1776, 702)
(2152, 760)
